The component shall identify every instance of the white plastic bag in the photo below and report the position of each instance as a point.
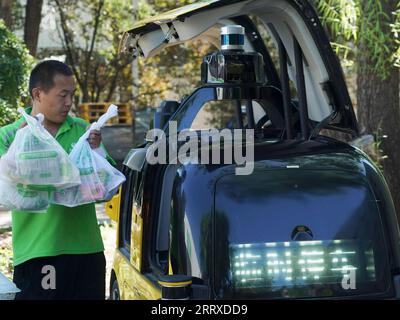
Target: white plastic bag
(99, 179)
(8, 289)
(17, 197)
(36, 160)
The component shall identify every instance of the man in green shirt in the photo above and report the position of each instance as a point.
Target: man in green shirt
(57, 254)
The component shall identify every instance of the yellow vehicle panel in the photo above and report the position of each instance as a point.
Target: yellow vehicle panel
(112, 206)
(136, 238)
(132, 284)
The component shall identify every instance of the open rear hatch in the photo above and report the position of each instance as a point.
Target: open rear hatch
(291, 25)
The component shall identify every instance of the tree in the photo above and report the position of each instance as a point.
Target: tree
(33, 17)
(171, 74)
(165, 5)
(91, 32)
(372, 26)
(378, 92)
(15, 64)
(174, 72)
(6, 12)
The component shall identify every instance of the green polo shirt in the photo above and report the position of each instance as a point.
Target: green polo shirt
(60, 230)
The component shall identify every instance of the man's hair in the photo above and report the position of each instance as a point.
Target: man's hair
(44, 72)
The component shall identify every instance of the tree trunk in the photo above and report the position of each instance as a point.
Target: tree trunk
(379, 111)
(85, 92)
(33, 17)
(6, 12)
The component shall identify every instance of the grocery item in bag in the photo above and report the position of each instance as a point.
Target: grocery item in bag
(18, 197)
(99, 179)
(36, 160)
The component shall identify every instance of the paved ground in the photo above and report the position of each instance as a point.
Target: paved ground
(5, 218)
(120, 139)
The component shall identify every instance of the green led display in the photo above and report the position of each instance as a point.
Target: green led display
(299, 263)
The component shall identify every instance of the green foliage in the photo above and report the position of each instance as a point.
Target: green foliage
(18, 16)
(165, 5)
(362, 23)
(376, 37)
(92, 50)
(341, 18)
(144, 10)
(91, 32)
(171, 74)
(396, 33)
(15, 64)
(6, 254)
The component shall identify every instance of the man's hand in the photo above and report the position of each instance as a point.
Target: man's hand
(94, 139)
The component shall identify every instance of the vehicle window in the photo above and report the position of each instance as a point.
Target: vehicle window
(216, 114)
(126, 211)
(137, 184)
(266, 35)
(296, 240)
(203, 112)
(162, 241)
(233, 114)
(191, 107)
(258, 111)
(224, 114)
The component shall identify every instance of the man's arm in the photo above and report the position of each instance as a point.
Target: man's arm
(97, 145)
(3, 143)
(7, 135)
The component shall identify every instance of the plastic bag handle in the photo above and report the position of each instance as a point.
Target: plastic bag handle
(112, 112)
(31, 121)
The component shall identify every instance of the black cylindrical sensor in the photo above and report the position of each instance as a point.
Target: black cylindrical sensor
(232, 37)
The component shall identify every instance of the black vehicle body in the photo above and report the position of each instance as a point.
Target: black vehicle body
(313, 209)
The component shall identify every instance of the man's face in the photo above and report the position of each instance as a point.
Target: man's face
(56, 103)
